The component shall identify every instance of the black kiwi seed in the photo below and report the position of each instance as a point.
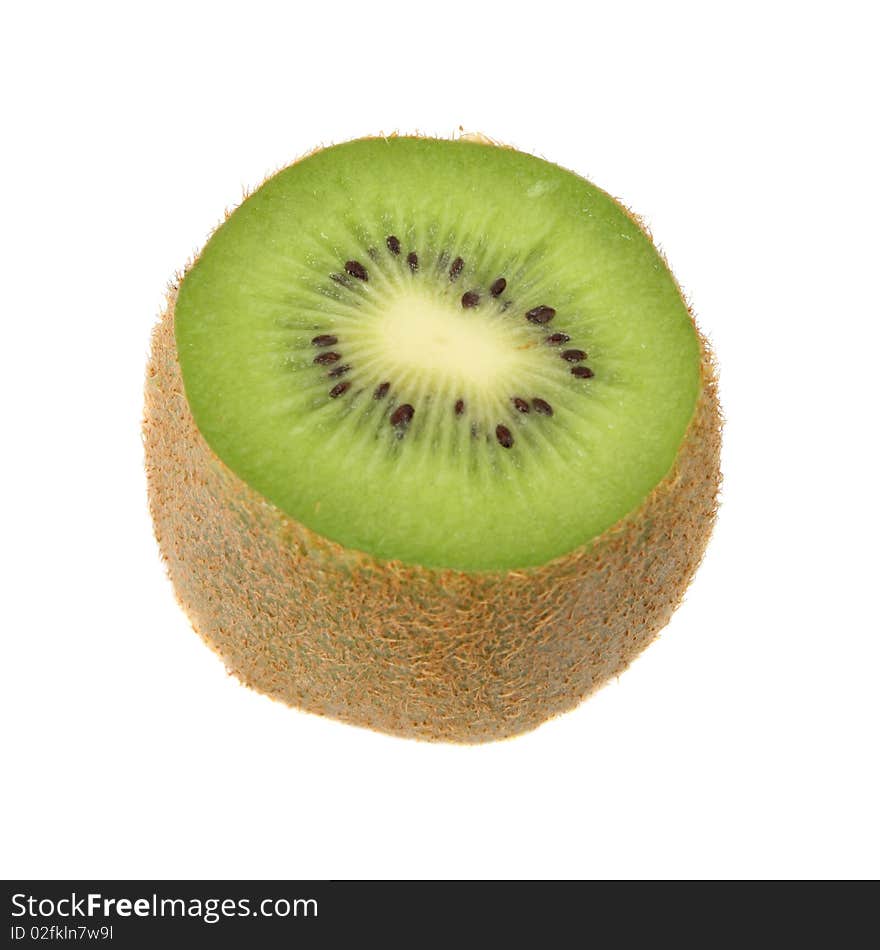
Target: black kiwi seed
(456, 268)
(356, 269)
(470, 299)
(402, 415)
(393, 244)
(413, 260)
(582, 372)
(542, 406)
(497, 288)
(541, 314)
(339, 389)
(324, 339)
(381, 390)
(339, 371)
(556, 338)
(459, 407)
(573, 356)
(322, 359)
(504, 436)
(521, 404)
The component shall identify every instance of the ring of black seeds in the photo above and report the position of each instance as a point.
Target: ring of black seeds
(403, 414)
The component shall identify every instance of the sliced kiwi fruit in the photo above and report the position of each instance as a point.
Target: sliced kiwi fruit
(432, 439)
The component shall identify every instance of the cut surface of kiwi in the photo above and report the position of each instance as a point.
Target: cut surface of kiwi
(441, 353)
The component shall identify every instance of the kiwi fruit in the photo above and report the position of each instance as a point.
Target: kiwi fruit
(432, 440)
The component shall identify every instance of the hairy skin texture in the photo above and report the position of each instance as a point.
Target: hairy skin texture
(439, 655)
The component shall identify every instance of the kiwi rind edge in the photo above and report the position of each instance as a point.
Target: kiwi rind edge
(434, 654)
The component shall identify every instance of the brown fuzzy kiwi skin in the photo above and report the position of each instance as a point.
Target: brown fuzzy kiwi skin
(442, 655)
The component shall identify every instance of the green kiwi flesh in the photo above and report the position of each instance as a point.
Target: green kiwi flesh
(439, 353)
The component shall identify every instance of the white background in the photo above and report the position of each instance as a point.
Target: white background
(744, 741)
